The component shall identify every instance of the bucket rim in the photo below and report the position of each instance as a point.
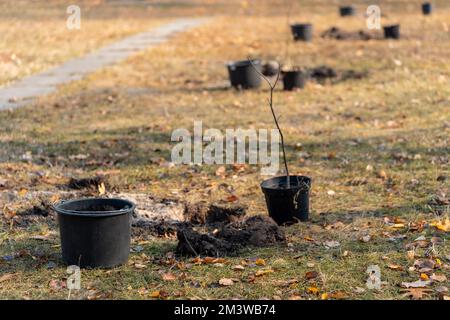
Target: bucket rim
(94, 214)
(265, 185)
(301, 24)
(243, 63)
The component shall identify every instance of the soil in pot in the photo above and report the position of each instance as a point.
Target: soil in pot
(302, 32)
(347, 11)
(95, 232)
(243, 74)
(427, 8)
(392, 31)
(287, 205)
(294, 79)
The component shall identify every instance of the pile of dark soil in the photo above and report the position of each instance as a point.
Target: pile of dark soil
(86, 183)
(338, 34)
(258, 231)
(202, 213)
(323, 74)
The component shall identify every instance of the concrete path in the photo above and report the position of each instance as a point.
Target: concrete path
(26, 90)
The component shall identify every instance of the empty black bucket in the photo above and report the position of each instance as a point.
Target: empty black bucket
(243, 74)
(347, 11)
(285, 205)
(295, 79)
(302, 31)
(95, 232)
(392, 32)
(427, 8)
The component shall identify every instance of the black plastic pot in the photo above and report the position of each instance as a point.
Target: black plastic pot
(427, 8)
(287, 206)
(294, 80)
(302, 31)
(243, 74)
(392, 32)
(95, 232)
(347, 11)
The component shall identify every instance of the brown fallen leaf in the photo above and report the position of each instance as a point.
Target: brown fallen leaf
(311, 275)
(263, 272)
(226, 282)
(331, 244)
(260, 262)
(416, 284)
(416, 293)
(238, 268)
(232, 198)
(101, 189)
(159, 294)
(395, 267)
(140, 266)
(424, 277)
(438, 277)
(442, 225)
(312, 290)
(420, 264)
(169, 277)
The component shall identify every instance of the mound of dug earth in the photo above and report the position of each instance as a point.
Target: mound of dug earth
(258, 231)
(322, 74)
(338, 34)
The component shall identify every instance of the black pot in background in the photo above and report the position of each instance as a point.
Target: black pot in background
(294, 80)
(95, 232)
(302, 31)
(427, 8)
(243, 74)
(347, 11)
(287, 205)
(392, 32)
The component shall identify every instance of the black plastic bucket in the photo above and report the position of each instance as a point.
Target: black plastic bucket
(243, 74)
(302, 31)
(427, 8)
(392, 32)
(294, 80)
(287, 206)
(95, 232)
(347, 11)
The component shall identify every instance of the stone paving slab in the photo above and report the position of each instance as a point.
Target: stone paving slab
(26, 90)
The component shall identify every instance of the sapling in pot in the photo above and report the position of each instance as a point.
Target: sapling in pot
(287, 197)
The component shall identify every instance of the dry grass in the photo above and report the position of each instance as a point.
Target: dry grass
(121, 118)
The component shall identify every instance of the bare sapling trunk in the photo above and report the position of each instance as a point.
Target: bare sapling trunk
(275, 118)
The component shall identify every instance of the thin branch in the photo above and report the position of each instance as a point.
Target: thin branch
(289, 5)
(272, 88)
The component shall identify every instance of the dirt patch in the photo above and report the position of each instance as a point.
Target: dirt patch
(258, 231)
(339, 34)
(86, 183)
